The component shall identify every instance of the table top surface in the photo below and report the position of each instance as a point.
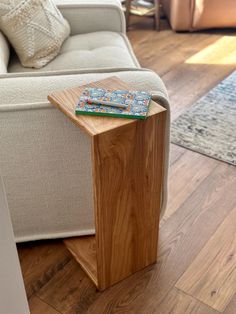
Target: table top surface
(67, 99)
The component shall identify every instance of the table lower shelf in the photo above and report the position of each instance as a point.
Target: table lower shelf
(84, 251)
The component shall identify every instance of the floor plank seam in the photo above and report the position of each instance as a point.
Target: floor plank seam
(48, 304)
(190, 195)
(196, 299)
(181, 155)
(59, 268)
(203, 248)
(186, 40)
(164, 73)
(217, 227)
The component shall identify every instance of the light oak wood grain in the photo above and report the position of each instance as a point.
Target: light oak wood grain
(84, 251)
(128, 164)
(128, 172)
(211, 278)
(67, 99)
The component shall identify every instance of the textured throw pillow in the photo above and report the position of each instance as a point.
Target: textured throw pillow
(35, 28)
(4, 54)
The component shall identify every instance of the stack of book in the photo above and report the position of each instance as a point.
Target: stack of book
(114, 103)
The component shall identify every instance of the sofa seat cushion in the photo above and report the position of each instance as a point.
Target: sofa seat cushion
(88, 51)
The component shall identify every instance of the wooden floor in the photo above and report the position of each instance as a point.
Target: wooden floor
(196, 268)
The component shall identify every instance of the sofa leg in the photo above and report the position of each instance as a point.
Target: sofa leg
(157, 21)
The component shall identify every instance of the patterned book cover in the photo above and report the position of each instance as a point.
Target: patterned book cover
(137, 103)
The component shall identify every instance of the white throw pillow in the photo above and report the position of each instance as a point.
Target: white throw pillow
(4, 54)
(35, 28)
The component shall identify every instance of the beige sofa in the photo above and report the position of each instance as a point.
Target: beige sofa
(200, 14)
(44, 158)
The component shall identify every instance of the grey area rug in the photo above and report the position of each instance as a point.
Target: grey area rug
(209, 126)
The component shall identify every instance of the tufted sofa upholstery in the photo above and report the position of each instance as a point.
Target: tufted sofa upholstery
(83, 51)
(44, 158)
(199, 14)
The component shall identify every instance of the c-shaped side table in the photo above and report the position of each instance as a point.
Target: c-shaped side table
(127, 160)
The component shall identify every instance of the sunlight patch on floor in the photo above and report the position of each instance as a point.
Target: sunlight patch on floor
(221, 52)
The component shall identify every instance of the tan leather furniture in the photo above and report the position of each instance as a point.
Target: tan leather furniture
(199, 14)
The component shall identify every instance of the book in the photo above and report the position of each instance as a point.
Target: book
(137, 103)
(142, 11)
(142, 3)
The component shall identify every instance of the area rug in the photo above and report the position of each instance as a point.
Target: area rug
(209, 126)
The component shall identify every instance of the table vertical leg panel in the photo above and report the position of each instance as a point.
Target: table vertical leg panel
(128, 172)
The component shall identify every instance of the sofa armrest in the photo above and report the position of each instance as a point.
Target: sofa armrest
(92, 16)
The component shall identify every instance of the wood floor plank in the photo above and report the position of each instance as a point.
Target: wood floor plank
(184, 46)
(37, 306)
(190, 170)
(231, 307)
(177, 302)
(175, 153)
(221, 52)
(179, 244)
(40, 261)
(186, 83)
(84, 251)
(211, 278)
(141, 39)
(190, 64)
(70, 291)
(161, 57)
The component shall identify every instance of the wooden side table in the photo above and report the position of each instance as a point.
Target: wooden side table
(157, 4)
(127, 157)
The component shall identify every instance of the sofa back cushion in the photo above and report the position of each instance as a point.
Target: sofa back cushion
(4, 54)
(35, 28)
(214, 13)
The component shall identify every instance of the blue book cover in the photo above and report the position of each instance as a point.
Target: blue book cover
(137, 103)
